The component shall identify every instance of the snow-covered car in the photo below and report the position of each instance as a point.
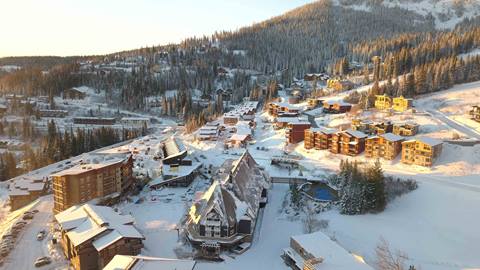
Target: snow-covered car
(41, 235)
(27, 216)
(42, 261)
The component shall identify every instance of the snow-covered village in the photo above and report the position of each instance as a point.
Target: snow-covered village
(324, 135)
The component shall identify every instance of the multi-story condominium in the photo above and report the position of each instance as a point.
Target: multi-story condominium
(383, 102)
(83, 183)
(401, 104)
(92, 235)
(280, 109)
(421, 151)
(370, 127)
(348, 142)
(386, 146)
(405, 129)
(318, 138)
(336, 107)
(475, 113)
(225, 215)
(340, 85)
(296, 131)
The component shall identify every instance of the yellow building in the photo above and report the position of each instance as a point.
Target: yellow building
(422, 151)
(383, 102)
(401, 104)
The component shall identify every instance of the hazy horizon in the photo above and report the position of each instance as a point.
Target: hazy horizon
(71, 28)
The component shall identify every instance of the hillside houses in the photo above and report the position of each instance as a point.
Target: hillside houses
(336, 106)
(281, 109)
(74, 93)
(475, 113)
(225, 215)
(92, 235)
(244, 112)
(399, 104)
(405, 129)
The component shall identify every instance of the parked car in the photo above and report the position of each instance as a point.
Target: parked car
(42, 261)
(7, 235)
(35, 211)
(41, 235)
(4, 252)
(27, 216)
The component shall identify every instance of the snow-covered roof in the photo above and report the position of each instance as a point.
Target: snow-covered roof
(123, 262)
(392, 137)
(324, 130)
(239, 137)
(100, 223)
(25, 185)
(234, 194)
(319, 246)
(88, 167)
(429, 141)
(356, 133)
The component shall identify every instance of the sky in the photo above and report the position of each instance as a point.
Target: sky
(86, 27)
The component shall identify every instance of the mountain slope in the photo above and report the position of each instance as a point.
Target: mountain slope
(310, 37)
(446, 13)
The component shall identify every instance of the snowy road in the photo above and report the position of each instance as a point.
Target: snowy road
(28, 248)
(447, 121)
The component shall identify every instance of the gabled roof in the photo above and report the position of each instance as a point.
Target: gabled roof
(100, 223)
(236, 194)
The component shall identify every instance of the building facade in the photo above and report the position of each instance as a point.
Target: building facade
(348, 142)
(295, 132)
(421, 151)
(386, 146)
(405, 129)
(401, 104)
(83, 183)
(92, 235)
(318, 138)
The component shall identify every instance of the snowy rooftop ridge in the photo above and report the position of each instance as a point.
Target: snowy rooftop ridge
(124, 262)
(87, 222)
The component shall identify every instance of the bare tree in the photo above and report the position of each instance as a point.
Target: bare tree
(387, 259)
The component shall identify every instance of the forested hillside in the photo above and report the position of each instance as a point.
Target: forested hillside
(307, 39)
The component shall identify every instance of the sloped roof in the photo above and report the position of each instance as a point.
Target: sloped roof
(235, 194)
(356, 133)
(124, 262)
(100, 223)
(429, 141)
(392, 137)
